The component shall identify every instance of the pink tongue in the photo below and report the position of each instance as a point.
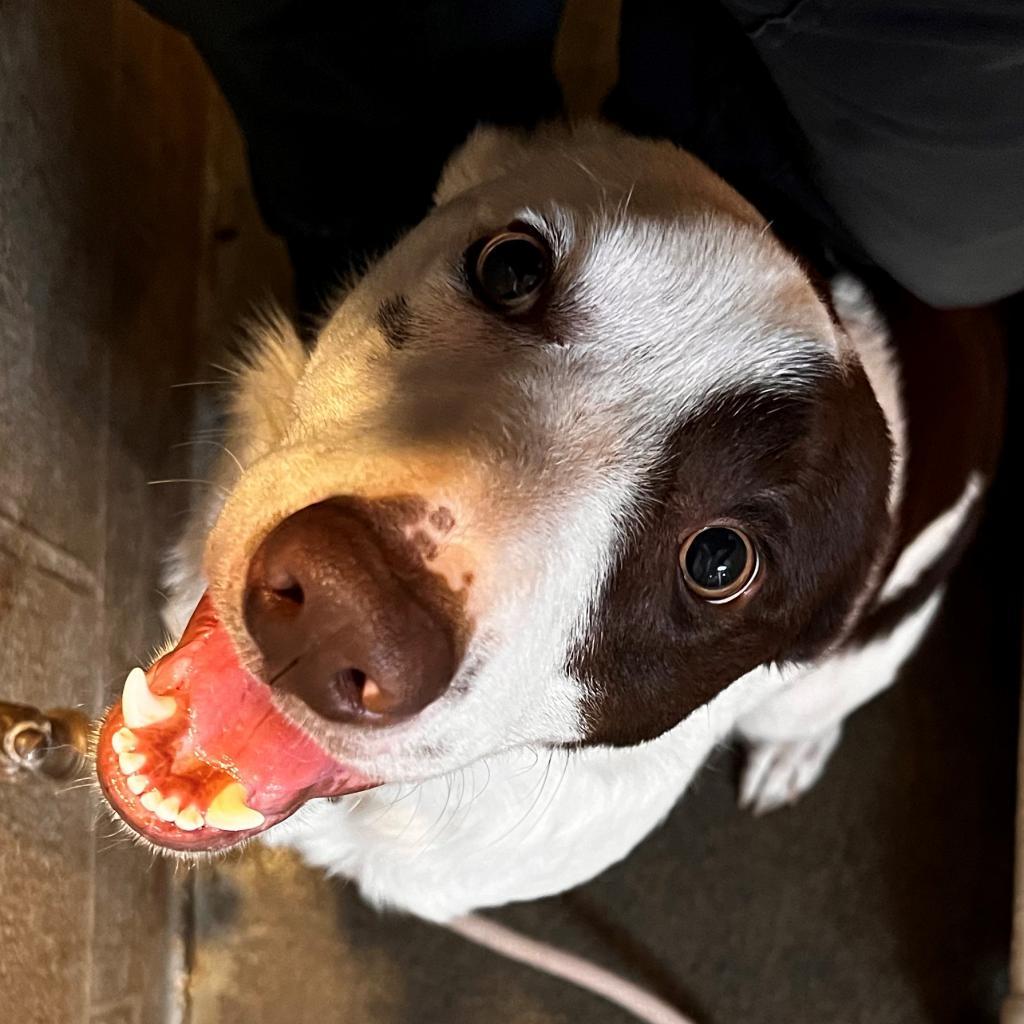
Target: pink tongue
(235, 726)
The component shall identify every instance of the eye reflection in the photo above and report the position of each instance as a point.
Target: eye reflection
(718, 563)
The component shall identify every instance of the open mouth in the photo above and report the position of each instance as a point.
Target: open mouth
(196, 757)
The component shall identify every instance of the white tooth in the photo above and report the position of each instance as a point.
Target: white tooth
(131, 763)
(168, 809)
(138, 784)
(230, 812)
(123, 741)
(140, 706)
(189, 820)
(152, 800)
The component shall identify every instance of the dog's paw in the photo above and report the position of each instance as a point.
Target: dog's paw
(779, 773)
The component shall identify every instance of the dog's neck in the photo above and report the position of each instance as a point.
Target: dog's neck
(871, 342)
(519, 825)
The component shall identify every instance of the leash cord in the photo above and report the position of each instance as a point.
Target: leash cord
(575, 969)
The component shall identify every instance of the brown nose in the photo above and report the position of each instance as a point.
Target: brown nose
(341, 622)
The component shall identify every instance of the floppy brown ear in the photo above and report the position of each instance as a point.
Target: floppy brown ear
(842, 506)
(487, 154)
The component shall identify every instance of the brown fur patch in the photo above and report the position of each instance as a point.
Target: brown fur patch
(953, 366)
(442, 519)
(806, 475)
(394, 318)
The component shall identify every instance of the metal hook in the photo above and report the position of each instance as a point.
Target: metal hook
(33, 742)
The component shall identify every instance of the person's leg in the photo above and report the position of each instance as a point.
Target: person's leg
(350, 110)
(914, 110)
(907, 114)
(688, 73)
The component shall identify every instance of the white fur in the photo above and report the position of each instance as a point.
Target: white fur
(870, 338)
(519, 825)
(814, 702)
(794, 721)
(931, 543)
(680, 295)
(794, 731)
(777, 774)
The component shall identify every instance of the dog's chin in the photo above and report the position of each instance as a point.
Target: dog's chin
(196, 758)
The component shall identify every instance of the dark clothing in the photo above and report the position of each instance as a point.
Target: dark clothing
(885, 132)
(914, 114)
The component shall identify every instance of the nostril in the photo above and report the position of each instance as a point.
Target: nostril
(280, 583)
(351, 680)
(358, 691)
(292, 594)
(349, 684)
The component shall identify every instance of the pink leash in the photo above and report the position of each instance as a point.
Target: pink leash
(569, 967)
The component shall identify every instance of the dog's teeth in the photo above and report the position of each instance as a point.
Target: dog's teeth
(123, 741)
(130, 763)
(152, 800)
(137, 784)
(189, 820)
(230, 812)
(167, 809)
(140, 706)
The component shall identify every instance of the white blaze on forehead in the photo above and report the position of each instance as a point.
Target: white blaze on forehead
(675, 311)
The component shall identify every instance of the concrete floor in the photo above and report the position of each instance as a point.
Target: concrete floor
(127, 248)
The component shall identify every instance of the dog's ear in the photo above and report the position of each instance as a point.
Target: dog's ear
(265, 379)
(487, 154)
(841, 508)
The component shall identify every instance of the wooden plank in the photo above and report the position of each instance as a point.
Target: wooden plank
(102, 178)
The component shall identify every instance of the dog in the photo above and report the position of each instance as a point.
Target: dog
(581, 479)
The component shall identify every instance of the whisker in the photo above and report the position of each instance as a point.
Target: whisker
(188, 480)
(529, 810)
(530, 767)
(458, 806)
(394, 800)
(216, 444)
(427, 838)
(418, 790)
(540, 816)
(76, 785)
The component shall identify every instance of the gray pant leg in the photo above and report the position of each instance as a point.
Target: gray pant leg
(914, 114)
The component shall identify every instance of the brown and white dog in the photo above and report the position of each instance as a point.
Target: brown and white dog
(580, 479)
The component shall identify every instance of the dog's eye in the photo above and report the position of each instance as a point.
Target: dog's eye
(509, 269)
(718, 563)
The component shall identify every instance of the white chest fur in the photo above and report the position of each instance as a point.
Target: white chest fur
(515, 826)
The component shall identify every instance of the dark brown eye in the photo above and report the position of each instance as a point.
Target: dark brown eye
(509, 269)
(718, 563)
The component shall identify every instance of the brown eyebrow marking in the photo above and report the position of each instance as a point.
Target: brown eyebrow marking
(394, 318)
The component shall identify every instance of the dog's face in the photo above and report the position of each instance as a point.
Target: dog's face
(586, 444)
